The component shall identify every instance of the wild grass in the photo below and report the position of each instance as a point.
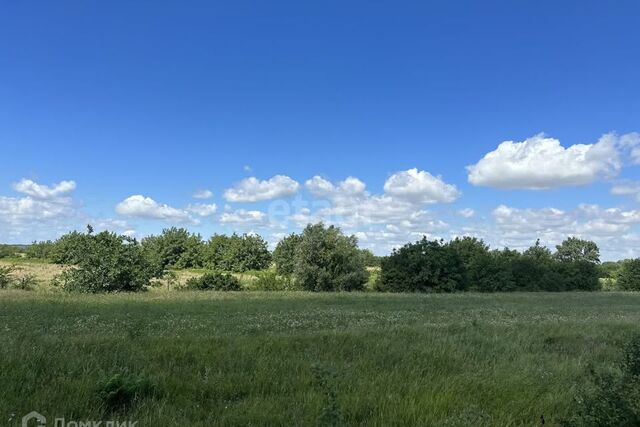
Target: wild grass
(253, 358)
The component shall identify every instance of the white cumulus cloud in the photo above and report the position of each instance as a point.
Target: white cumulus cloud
(540, 163)
(420, 187)
(145, 207)
(202, 209)
(254, 190)
(243, 217)
(44, 192)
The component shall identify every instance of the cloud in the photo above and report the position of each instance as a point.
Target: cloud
(145, 207)
(420, 187)
(540, 163)
(254, 190)
(202, 194)
(44, 192)
(629, 188)
(202, 209)
(243, 217)
(467, 212)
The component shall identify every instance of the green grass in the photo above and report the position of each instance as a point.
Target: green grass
(260, 358)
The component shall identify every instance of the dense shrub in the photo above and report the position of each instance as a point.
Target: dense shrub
(174, 248)
(108, 263)
(6, 276)
(629, 276)
(614, 398)
(468, 264)
(327, 260)
(284, 255)
(28, 282)
(7, 251)
(269, 280)
(237, 253)
(214, 282)
(40, 250)
(424, 266)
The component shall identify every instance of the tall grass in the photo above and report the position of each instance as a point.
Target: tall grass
(262, 358)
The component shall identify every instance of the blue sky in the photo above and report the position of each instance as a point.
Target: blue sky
(160, 99)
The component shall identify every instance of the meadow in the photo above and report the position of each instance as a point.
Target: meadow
(256, 358)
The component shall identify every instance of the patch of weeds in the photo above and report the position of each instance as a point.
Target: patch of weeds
(330, 415)
(26, 283)
(6, 276)
(613, 400)
(121, 392)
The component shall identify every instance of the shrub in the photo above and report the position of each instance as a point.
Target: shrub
(424, 266)
(270, 281)
(7, 251)
(327, 260)
(6, 276)
(629, 276)
(108, 263)
(174, 248)
(237, 253)
(121, 392)
(26, 283)
(614, 398)
(214, 282)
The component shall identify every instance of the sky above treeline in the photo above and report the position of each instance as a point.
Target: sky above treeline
(509, 121)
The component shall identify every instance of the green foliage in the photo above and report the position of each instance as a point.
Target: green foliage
(610, 269)
(330, 415)
(237, 253)
(174, 248)
(614, 398)
(327, 260)
(369, 259)
(69, 248)
(468, 264)
(214, 282)
(120, 392)
(577, 250)
(6, 276)
(270, 280)
(28, 282)
(284, 255)
(425, 266)
(629, 276)
(41, 250)
(108, 263)
(8, 251)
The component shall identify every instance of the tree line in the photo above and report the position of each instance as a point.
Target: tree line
(322, 259)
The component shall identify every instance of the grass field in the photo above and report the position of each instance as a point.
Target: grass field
(261, 358)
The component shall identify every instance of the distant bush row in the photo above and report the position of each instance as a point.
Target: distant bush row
(323, 259)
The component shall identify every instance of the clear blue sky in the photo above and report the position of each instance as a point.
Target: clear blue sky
(160, 99)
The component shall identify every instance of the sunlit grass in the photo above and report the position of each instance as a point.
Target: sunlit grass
(249, 358)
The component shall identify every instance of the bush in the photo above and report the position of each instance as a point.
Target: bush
(26, 283)
(424, 266)
(237, 253)
(108, 263)
(614, 398)
(8, 251)
(629, 276)
(121, 392)
(214, 282)
(6, 276)
(271, 281)
(327, 260)
(174, 248)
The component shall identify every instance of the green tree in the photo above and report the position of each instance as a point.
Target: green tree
(174, 248)
(108, 263)
(574, 249)
(284, 255)
(424, 266)
(629, 277)
(327, 260)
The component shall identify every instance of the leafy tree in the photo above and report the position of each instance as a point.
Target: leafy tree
(476, 259)
(284, 255)
(174, 248)
(7, 251)
(369, 258)
(107, 263)
(327, 260)
(237, 253)
(41, 250)
(424, 266)
(68, 248)
(629, 277)
(574, 249)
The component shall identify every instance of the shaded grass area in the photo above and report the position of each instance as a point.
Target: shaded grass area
(253, 358)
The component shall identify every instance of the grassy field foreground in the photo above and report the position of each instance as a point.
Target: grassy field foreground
(280, 359)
